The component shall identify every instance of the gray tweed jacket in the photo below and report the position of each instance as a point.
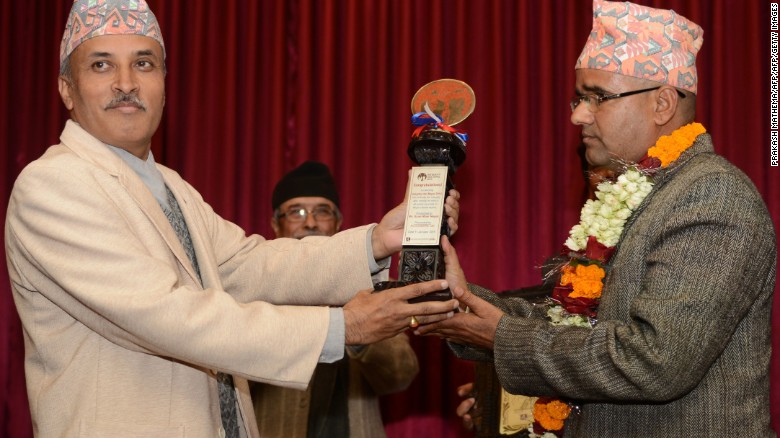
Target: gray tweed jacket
(682, 345)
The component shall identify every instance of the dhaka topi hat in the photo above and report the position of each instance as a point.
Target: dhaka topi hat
(92, 18)
(643, 42)
(311, 178)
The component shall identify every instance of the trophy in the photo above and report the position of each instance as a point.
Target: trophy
(438, 150)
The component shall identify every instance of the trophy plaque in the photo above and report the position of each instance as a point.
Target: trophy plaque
(438, 150)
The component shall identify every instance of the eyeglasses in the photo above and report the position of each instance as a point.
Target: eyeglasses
(592, 100)
(321, 213)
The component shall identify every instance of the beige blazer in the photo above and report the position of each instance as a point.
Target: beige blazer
(120, 337)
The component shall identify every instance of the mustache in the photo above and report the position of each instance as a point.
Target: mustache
(123, 99)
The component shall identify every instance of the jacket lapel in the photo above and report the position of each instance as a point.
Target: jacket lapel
(149, 205)
(91, 149)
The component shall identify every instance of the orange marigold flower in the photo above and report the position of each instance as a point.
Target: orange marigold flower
(542, 415)
(567, 275)
(558, 410)
(551, 424)
(589, 272)
(586, 280)
(587, 289)
(669, 147)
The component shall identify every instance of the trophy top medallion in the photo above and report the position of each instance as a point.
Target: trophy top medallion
(451, 99)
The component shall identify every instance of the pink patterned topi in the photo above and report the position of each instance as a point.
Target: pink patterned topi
(643, 42)
(91, 18)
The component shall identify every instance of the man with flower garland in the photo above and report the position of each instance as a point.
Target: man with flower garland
(660, 322)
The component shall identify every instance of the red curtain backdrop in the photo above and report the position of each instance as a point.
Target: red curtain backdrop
(256, 87)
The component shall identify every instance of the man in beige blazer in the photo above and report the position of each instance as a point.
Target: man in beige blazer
(342, 399)
(144, 312)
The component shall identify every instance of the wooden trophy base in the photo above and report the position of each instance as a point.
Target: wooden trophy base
(418, 264)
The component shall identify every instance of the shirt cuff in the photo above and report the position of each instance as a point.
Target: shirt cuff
(373, 265)
(355, 350)
(333, 349)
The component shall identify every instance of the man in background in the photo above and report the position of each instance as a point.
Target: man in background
(342, 398)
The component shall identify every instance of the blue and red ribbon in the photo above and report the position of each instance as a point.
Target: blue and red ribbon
(430, 120)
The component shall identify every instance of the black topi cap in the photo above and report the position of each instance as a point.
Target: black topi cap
(311, 178)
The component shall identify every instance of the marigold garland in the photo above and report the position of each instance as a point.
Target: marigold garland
(669, 147)
(596, 235)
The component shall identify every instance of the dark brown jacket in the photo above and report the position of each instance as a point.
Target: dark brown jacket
(382, 368)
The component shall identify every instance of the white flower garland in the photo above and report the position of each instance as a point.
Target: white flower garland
(605, 216)
(559, 316)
